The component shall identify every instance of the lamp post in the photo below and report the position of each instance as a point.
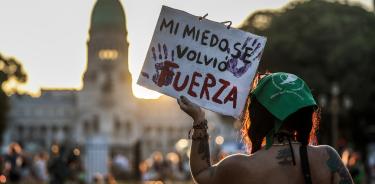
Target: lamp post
(334, 108)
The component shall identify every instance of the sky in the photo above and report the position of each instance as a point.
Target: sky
(49, 36)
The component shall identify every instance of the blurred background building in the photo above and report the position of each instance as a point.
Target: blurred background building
(104, 112)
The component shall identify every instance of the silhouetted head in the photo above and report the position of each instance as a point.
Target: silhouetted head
(14, 148)
(279, 102)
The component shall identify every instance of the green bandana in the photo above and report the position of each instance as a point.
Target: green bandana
(282, 94)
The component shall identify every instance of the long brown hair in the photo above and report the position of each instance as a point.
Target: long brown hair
(257, 122)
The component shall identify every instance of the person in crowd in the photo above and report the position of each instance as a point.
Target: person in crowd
(120, 167)
(279, 125)
(356, 168)
(40, 167)
(57, 165)
(13, 163)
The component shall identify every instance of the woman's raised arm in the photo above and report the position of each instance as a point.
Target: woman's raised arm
(200, 161)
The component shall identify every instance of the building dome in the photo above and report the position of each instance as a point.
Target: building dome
(108, 15)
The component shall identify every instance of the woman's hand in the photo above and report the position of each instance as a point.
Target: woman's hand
(191, 109)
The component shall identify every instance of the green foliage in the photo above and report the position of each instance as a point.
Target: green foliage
(323, 42)
(10, 69)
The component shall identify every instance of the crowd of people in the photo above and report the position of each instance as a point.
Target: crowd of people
(56, 166)
(170, 167)
(63, 165)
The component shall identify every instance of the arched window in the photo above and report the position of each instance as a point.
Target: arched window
(147, 130)
(117, 126)
(159, 131)
(43, 130)
(66, 129)
(128, 128)
(86, 128)
(20, 131)
(171, 130)
(54, 129)
(108, 54)
(95, 124)
(32, 130)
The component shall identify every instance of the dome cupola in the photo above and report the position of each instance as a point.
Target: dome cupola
(108, 15)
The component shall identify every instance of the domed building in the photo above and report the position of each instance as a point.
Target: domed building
(103, 118)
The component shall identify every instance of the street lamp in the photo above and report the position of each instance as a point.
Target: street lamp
(335, 109)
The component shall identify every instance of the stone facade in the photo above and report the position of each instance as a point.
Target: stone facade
(38, 122)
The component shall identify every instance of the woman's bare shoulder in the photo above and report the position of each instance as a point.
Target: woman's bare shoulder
(322, 149)
(323, 154)
(234, 162)
(234, 159)
(331, 162)
(232, 166)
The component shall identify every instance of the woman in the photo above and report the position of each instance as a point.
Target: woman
(279, 125)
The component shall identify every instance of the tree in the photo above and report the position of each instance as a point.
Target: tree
(323, 42)
(10, 70)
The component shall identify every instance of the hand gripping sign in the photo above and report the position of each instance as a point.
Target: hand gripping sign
(209, 63)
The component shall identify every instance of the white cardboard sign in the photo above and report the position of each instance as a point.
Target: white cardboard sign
(206, 61)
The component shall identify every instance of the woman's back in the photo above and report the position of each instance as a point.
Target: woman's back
(281, 115)
(275, 165)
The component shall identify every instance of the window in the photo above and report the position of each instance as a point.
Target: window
(43, 130)
(108, 54)
(159, 130)
(147, 130)
(66, 129)
(86, 127)
(96, 124)
(32, 132)
(171, 130)
(117, 126)
(20, 130)
(128, 128)
(54, 129)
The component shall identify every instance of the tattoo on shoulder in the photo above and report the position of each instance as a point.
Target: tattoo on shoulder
(285, 157)
(335, 164)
